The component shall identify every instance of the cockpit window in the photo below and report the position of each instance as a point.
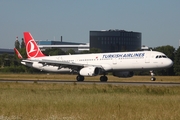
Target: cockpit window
(164, 56)
(161, 56)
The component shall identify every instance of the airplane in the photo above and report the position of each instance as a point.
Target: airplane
(121, 64)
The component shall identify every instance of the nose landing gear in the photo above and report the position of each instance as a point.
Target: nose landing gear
(152, 76)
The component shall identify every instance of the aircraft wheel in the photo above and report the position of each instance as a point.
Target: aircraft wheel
(103, 79)
(80, 78)
(153, 78)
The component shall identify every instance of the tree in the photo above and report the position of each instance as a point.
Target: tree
(95, 50)
(177, 62)
(54, 51)
(92, 50)
(70, 51)
(17, 44)
(22, 43)
(6, 59)
(1, 61)
(85, 52)
(23, 52)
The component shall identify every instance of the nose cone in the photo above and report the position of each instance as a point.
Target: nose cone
(168, 63)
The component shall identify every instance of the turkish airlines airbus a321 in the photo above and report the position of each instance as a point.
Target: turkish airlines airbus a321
(121, 64)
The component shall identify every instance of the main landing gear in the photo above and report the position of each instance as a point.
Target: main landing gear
(103, 78)
(152, 76)
(80, 78)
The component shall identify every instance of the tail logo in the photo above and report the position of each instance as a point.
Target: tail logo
(32, 49)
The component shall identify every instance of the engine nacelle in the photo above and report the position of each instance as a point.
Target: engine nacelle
(90, 71)
(123, 73)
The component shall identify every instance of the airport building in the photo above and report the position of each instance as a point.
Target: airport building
(106, 40)
(115, 40)
(65, 46)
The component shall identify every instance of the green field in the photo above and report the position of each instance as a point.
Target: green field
(39, 101)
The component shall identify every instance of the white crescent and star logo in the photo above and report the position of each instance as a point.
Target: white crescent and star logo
(32, 49)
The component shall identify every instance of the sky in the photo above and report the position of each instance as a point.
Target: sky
(157, 20)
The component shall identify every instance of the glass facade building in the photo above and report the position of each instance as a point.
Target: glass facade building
(115, 40)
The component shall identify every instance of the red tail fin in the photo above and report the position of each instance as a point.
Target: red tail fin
(18, 54)
(32, 49)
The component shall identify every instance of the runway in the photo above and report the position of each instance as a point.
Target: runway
(151, 83)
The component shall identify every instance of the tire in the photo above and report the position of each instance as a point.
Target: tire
(80, 78)
(153, 78)
(103, 79)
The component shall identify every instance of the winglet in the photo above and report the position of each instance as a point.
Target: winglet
(18, 54)
(32, 48)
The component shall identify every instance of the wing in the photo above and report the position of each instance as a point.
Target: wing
(65, 64)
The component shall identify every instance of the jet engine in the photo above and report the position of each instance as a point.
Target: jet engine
(123, 73)
(90, 71)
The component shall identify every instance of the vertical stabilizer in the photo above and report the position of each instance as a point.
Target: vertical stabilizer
(32, 48)
(18, 54)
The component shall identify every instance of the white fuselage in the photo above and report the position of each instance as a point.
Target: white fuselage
(117, 61)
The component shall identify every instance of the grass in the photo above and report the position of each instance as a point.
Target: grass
(88, 102)
(38, 101)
